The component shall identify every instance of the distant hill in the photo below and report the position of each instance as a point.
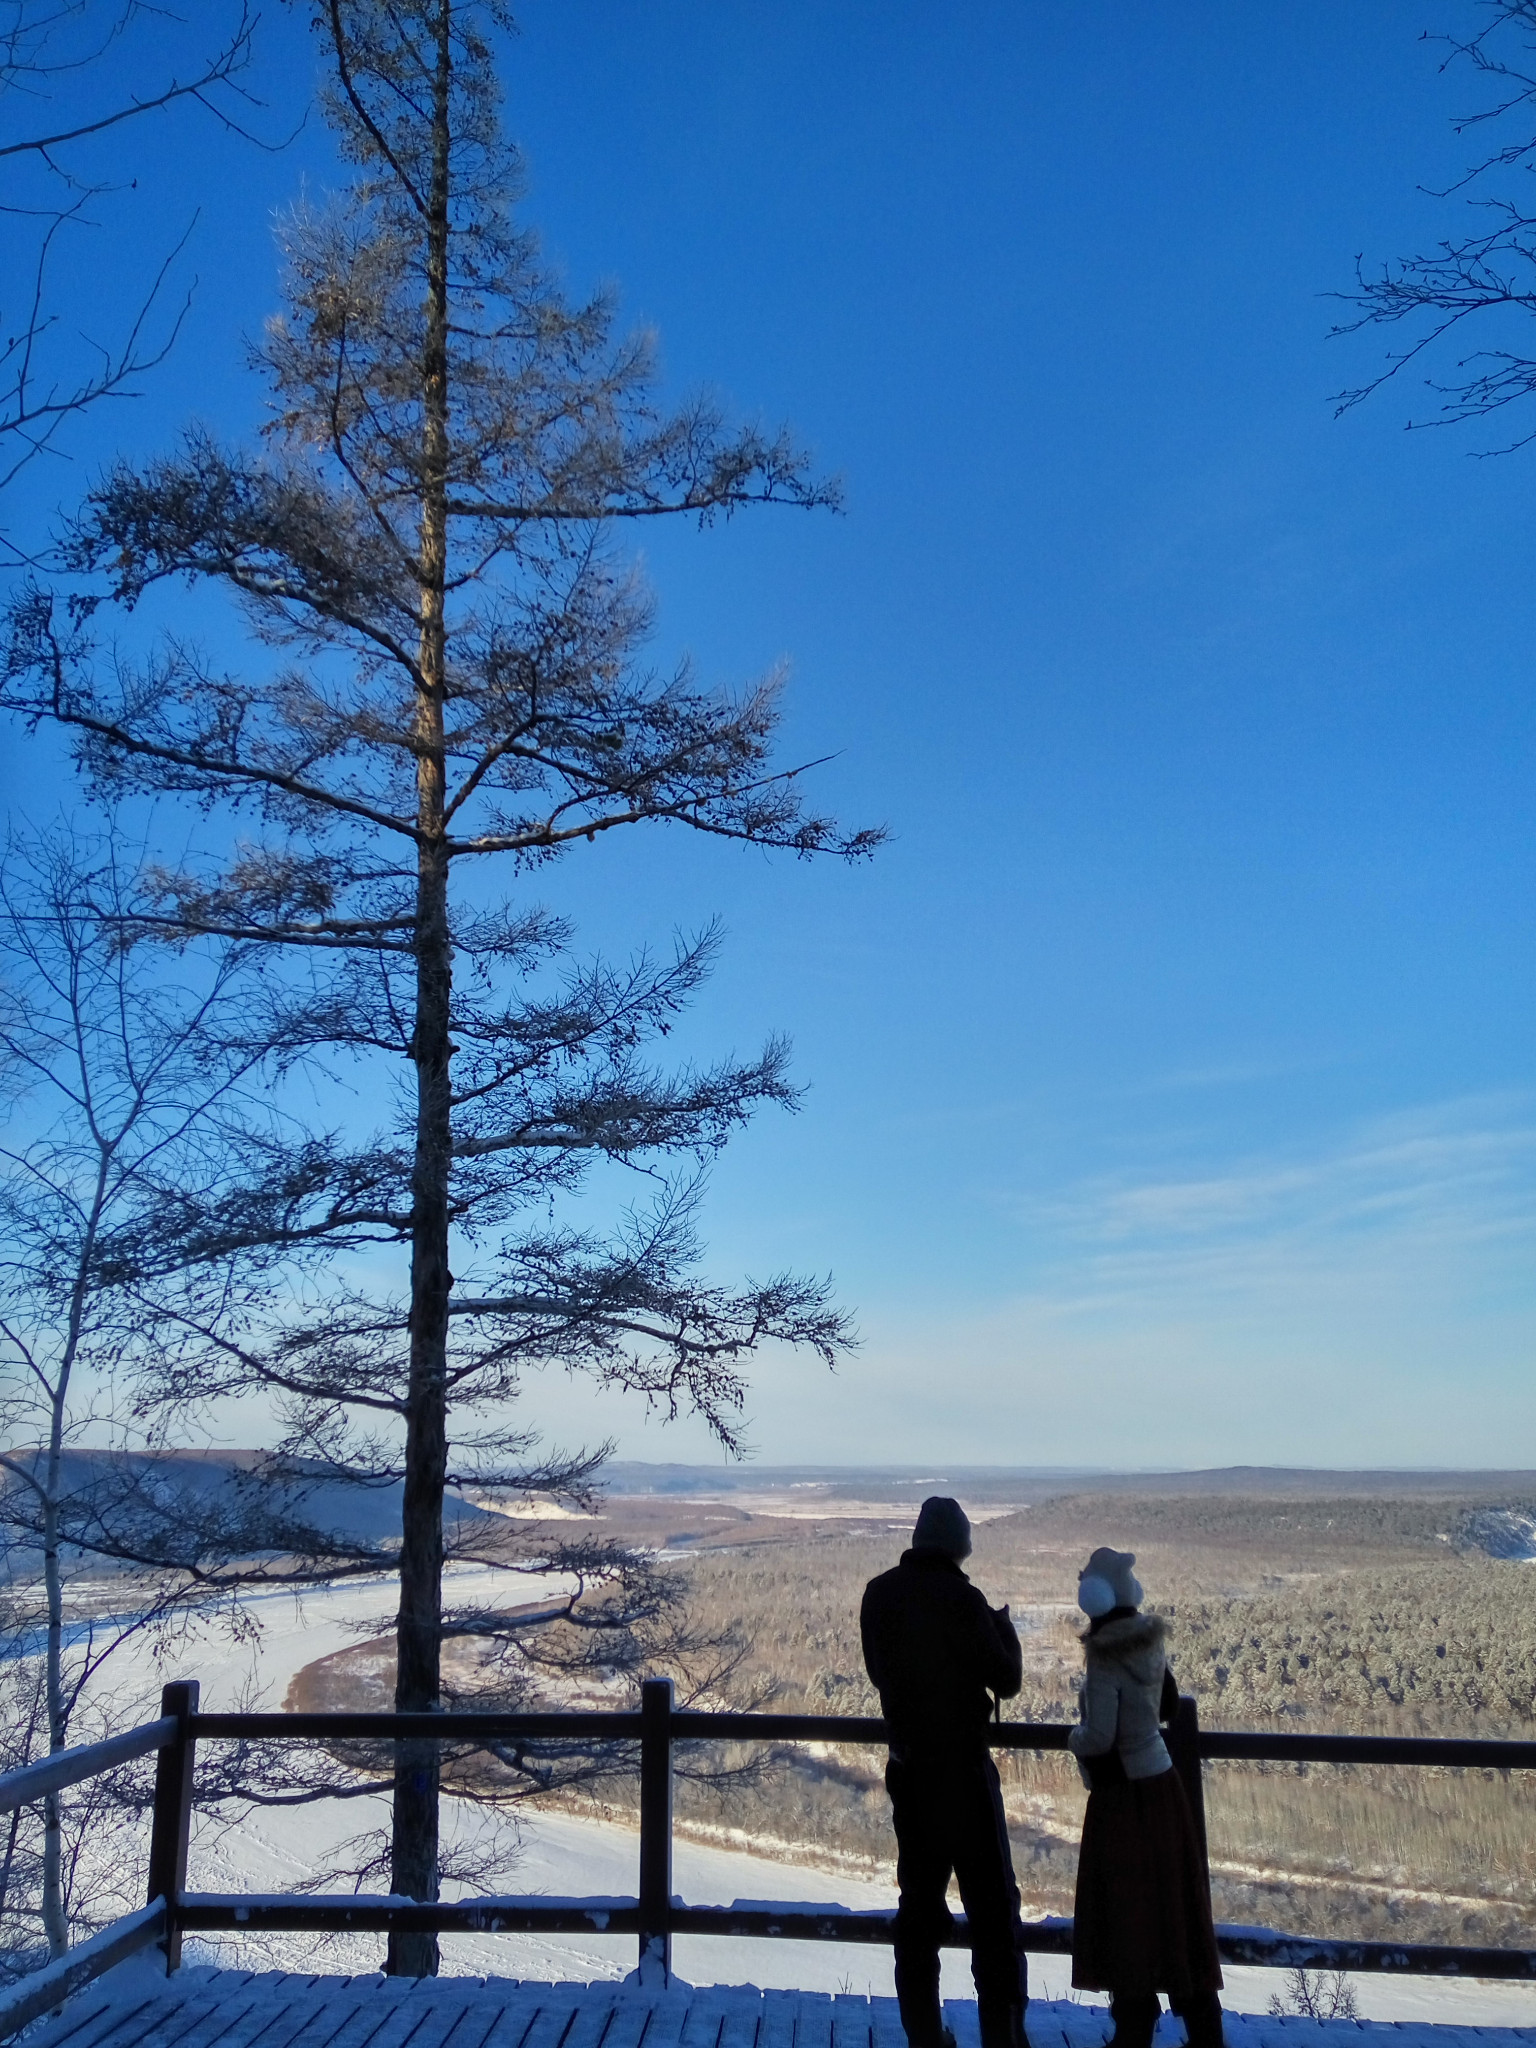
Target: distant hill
(995, 1485)
(227, 1487)
(220, 1485)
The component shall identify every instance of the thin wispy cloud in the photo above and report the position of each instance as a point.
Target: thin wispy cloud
(1429, 1191)
(1241, 1072)
(1368, 1300)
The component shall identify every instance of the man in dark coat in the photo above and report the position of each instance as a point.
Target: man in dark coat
(937, 1653)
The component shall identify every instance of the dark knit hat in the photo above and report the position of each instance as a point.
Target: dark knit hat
(941, 1525)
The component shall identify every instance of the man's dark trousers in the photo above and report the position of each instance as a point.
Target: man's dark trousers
(948, 1811)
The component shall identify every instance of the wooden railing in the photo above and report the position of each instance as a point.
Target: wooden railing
(653, 1915)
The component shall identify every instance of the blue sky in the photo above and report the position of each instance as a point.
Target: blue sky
(1171, 1095)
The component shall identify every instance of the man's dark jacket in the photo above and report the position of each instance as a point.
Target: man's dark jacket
(935, 1651)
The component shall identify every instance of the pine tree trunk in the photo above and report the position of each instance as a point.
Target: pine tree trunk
(414, 1855)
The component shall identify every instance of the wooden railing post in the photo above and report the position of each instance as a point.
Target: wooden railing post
(173, 1816)
(656, 1831)
(1182, 1736)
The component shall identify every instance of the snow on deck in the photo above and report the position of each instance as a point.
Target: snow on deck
(200, 2008)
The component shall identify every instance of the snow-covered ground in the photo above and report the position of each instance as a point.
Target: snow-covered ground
(563, 1854)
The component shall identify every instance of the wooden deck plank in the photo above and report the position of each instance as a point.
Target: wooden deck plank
(255, 2017)
(361, 2013)
(776, 2028)
(408, 2022)
(281, 2020)
(594, 2016)
(398, 2026)
(1086, 2026)
(668, 2018)
(850, 2021)
(121, 2023)
(516, 2019)
(453, 2018)
(628, 2019)
(742, 2023)
(211, 2007)
(260, 2010)
(85, 2019)
(85, 2008)
(426, 2026)
(1267, 2030)
(336, 2010)
(474, 2030)
(669, 2014)
(133, 2027)
(552, 2022)
(324, 2021)
(474, 2024)
(1069, 2025)
(960, 2018)
(171, 2027)
(885, 2026)
(813, 2019)
(705, 2018)
(269, 2013)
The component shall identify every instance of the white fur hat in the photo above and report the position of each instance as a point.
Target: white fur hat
(1107, 1581)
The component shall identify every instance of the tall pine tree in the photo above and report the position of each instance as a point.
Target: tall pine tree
(425, 544)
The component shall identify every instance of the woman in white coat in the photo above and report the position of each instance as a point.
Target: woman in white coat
(1142, 1919)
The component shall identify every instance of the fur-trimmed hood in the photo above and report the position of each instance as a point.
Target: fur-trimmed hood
(1138, 1641)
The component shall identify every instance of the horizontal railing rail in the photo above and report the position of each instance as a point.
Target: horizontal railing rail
(783, 1919)
(30, 1997)
(691, 1725)
(1443, 1752)
(74, 1766)
(654, 1916)
(468, 1728)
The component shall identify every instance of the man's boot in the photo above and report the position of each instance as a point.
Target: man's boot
(1202, 2020)
(1002, 2025)
(1135, 2017)
(924, 2030)
(917, 1997)
(1002, 1994)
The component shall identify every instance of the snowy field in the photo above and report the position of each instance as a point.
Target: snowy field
(562, 1854)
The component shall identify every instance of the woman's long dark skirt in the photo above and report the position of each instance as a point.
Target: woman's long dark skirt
(1142, 1921)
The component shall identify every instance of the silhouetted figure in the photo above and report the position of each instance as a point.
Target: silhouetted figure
(1141, 1923)
(937, 1652)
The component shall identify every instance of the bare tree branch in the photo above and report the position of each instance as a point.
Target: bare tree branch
(1485, 279)
(46, 50)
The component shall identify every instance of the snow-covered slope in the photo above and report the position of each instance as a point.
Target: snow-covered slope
(1500, 1532)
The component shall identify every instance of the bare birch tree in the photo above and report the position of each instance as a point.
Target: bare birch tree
(138, 1100)
(122, 1087)
(426, 547)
